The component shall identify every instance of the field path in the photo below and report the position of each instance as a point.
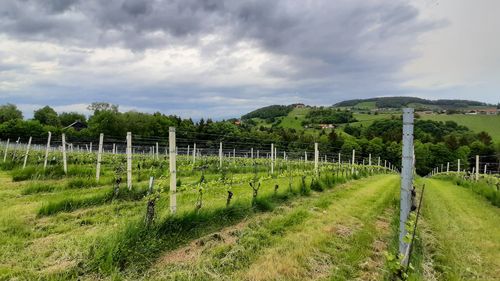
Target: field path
(461, 234)
(339, 234)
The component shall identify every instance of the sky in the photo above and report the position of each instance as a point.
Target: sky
(221, 59)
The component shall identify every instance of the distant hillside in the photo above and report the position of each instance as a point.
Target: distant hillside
(269, 112)
(398, 102)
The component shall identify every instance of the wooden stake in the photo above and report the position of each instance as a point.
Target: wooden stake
(27, 152)
(172, 167)
(47, 151)
(99, 157)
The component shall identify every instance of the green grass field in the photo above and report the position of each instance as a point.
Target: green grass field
(460, 234)
(477, 123)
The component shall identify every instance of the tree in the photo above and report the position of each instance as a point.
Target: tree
(9, 112)
(47, 116)
(67, 118)
(97, 107)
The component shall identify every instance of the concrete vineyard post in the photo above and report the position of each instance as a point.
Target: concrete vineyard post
(194, 153)
(258, 154)
(47, 151)
(369, 159)
(5, 152)
(27, 152)
(484, 171)
(129, 160)
(251, 152)
(406, 179)
(173, 172)
(272, 158)
(234, 154)
(477, 167)
(65, 163)
(188, 150)
(90, 149)
(114, 148)
(447, 167)
(458, 166)
(316, 157)
(305, 156)
(99, 157)
(378, 161)
(340, 161)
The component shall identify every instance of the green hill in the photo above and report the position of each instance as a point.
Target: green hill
(417, 103)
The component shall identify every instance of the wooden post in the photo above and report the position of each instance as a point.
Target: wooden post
(129, 160)
(157, 152)
(316, 158)
(99, 158)
(27, 152)
(47, 151)
(194, 153)
(6, 149)
(352, 162)
(173, 173)
(151, 183)
(272, 158)
(65, 162)
(477, 167)
(220, 155)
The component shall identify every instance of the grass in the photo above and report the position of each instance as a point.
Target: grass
(477, 123)
(460, 234)
(316, 234)
(103, 196)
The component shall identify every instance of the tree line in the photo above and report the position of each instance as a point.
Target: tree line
(435, 142)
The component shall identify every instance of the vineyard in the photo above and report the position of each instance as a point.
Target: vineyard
(181, 208)
(71, 210)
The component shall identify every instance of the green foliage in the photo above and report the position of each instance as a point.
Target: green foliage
(330, 115)
(9, 112)
(47, 116)
(268, 112)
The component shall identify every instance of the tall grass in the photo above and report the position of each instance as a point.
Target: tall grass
(481, 187)
(104, 196)
(38, 187)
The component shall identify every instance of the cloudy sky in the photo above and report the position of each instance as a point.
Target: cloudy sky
(223, 58)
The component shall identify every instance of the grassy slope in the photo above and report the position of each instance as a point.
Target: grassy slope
(338, 234)
(477, 123)
(461, 234)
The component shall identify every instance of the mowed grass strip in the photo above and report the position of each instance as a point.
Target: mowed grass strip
(295, 242)
(461, 233)
(339, 243)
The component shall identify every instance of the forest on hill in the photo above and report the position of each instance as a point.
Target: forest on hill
(399, 102)
(436, 142)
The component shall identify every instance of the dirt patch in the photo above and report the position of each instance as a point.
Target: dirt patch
(372, 266)
(192, 251)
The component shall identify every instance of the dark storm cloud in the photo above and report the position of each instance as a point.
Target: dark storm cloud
(341, 49)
